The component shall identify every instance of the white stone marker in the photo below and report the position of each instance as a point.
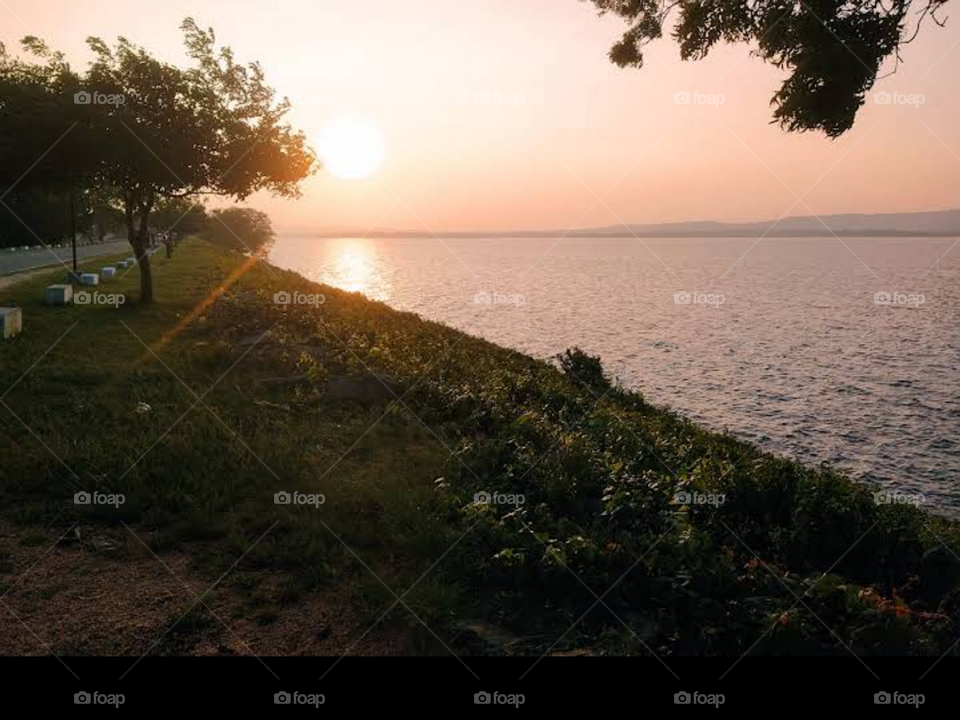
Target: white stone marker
(107, 273)
(58, 294)
(11, 322)
(131, 261)
(122, 264)
(89, 279)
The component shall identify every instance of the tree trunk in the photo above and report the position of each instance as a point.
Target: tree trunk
(146, 280)
(139, 238)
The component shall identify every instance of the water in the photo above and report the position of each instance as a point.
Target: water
(798, 357)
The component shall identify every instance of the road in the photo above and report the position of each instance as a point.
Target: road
(12, 263)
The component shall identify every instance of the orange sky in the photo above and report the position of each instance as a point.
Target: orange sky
(414, 69)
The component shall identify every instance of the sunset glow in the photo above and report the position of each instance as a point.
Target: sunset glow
(351, 148)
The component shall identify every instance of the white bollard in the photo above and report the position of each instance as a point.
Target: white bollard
(11, 322)
(58, 294)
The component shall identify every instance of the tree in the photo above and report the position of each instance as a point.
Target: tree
(32, 216)
(41, 154)
(181, 215)
(833, 49)
(142, 131)
(241, 229)
(102, 216)
(211, 129)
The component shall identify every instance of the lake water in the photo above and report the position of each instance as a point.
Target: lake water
(798, 357)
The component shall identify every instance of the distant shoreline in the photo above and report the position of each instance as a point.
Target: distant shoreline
(936, 223)
(325, 234)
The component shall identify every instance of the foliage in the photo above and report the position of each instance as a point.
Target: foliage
(584, 368)
(789, 547)
(184, 216)
(832, 50)
(241, 229)
(214, 128)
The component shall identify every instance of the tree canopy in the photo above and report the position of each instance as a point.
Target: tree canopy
(228, 226)
(144, 131)
(833, 50)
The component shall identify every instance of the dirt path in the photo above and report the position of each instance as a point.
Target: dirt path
(102, 592)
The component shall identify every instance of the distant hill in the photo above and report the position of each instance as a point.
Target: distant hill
(941, 223)
(944, 222)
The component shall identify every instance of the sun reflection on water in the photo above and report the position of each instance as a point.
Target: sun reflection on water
(351, 264)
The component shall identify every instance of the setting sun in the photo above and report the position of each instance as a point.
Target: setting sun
(351, 148)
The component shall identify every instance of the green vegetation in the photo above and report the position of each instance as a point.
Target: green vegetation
(598, 468)
(135, 134)
(240, 229)
(833, 51)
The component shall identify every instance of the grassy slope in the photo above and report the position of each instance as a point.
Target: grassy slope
(598, 468)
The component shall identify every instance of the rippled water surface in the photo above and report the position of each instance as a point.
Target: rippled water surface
(798, 357)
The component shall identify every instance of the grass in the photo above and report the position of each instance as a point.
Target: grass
(113, 407)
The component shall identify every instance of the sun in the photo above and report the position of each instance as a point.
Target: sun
(351, 148)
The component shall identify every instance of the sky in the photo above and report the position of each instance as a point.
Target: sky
(507, 114)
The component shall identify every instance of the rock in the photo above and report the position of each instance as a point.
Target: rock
(11, 322)
(105, 544)
(58, 294)
(108, 273)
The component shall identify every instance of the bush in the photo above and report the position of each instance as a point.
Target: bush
(584, 368)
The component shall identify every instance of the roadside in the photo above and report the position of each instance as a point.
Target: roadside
(24, 261)
(7, 281)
